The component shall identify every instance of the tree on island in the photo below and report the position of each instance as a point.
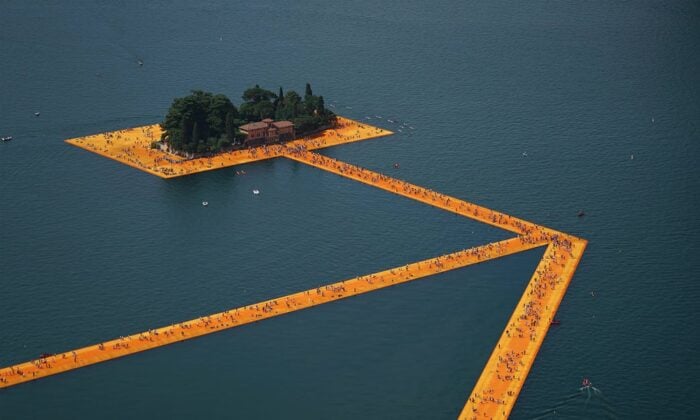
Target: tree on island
(202, 122)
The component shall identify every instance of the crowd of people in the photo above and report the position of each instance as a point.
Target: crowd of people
(528, 324)
(133, 147)
(532, 320)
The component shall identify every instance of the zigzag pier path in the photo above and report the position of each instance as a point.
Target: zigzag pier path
(497, 389)
(505, 372)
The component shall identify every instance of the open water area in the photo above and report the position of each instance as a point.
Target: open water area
(538, 109)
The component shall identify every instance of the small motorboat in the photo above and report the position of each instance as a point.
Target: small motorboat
(205, 203)
(396, 165)
(555, 322)
(586, 383)
(36, 114)
(8, 138)
(256, 192)
(581, 213)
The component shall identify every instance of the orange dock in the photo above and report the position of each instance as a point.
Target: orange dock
(132, 146)
(501, 380)
(506, 370)
(185, 330)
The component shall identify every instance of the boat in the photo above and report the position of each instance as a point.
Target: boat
(581, 213)
(555, 322)
(256, 192)
(205, 203)
(8, 138)
(586, 383)
(36, 114)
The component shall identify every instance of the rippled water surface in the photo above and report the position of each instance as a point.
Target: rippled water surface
(538, 109)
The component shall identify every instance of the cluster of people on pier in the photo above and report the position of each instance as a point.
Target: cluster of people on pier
(525, 329)
(132, 146)
(529, 325)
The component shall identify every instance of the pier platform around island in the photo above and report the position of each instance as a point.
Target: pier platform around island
(132, 146)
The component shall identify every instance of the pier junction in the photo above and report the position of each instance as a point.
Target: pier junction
(506, 370)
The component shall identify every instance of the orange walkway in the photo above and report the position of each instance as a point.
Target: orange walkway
(424, 195)
(505, 372)
(146, 340)
(503, 376)
(132, 146)
(496, 390)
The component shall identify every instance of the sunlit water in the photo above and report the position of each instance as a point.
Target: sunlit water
(539, 110)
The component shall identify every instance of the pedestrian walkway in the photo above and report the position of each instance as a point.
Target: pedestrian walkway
(502, 378)
(504, 374)
(123, 346)
(132, 146)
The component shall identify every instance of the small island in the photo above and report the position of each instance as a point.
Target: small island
(205, 131)
(203, 124)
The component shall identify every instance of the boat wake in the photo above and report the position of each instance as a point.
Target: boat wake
(586, 403)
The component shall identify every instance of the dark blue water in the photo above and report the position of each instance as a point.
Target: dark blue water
(604, 98)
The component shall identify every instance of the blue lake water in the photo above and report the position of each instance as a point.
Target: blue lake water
(603, 97)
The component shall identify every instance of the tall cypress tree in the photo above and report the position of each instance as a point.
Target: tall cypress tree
(308, 91)
(195, 132)
(321, 106)
(230, 127)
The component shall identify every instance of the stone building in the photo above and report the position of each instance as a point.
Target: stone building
(267, 131)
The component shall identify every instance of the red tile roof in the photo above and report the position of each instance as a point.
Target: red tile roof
(283, 124)
(253, 126)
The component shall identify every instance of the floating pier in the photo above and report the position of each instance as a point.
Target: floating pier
(132, 146)
(506, 370)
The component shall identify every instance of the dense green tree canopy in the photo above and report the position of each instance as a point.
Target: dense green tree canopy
(197, 123)
(206, 123)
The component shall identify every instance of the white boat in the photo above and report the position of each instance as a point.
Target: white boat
(8, 138)
(256, 192)
(205, 203)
